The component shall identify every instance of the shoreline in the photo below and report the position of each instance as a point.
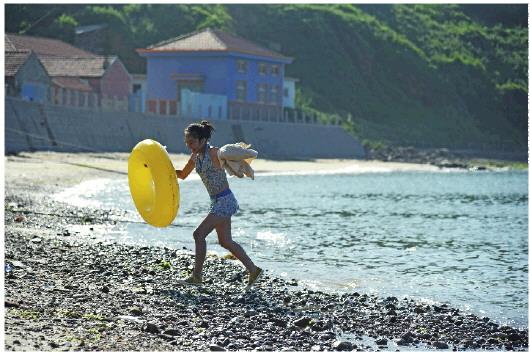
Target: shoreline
(64, 293)
(50, 171)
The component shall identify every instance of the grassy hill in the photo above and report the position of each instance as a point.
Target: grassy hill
(422, 75)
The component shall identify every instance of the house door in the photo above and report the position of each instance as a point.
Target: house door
(34, 92)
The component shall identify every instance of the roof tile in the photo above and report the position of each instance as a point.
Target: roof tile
(212, 40)
(44, 46)
(14, 60)
(76, 66)
(72, 83)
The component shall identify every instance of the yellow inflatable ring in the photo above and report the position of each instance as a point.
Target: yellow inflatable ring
(153, 183)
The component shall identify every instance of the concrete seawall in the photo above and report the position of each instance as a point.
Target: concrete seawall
(37, 127)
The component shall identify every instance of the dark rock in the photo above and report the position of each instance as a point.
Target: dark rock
(440, 345)
(419, 310)
(136, 311)
(408, 336)
(172, 332)
(9, 304)
(302, 322)
(279, 322)
(151, 328)
(214, 347)
(342, 345)
(382, 341)
(403, 342)
(105, 289)
(321, 325)
(53, 344)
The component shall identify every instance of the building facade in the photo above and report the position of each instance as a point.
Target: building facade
(25, 76)
(212, 74)
(74, 77)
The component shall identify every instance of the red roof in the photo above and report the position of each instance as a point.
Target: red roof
(212, 40)
(72, 83)
(14, 60)
(43, 46)
(77, 66)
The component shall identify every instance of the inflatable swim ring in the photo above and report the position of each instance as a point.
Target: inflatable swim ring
(153, 183)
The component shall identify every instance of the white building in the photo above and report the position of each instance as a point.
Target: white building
(289, 90)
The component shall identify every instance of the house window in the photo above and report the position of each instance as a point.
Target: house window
(286, 92)
(274, 94)
(275, 70)
(242, 66)
(136, 88)
(262, 93)
(262, 69)
(241, 90)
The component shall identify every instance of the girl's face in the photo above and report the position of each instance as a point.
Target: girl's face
(194, 144)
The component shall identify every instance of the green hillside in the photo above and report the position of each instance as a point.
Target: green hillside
(423, 75)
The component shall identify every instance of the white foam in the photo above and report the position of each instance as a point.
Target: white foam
(272, 238)
(80, 195)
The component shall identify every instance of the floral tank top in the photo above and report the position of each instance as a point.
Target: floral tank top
(214, 179)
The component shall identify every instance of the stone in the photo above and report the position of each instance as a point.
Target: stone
(342, 345)
(150, 328)
(214, 347)
(136, 311)
(440, 345)
(302, 322)
(172, 332)
(382, 341)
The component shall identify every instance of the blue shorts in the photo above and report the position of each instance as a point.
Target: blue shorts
(224, 206)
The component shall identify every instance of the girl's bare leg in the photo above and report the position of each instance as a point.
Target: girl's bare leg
(199, 235)
(224, 234)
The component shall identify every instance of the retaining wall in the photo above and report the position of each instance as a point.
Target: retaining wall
(31, 126)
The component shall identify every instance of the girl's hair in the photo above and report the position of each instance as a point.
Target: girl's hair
(200, 130)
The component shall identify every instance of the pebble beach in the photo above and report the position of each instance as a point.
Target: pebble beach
(65, 293)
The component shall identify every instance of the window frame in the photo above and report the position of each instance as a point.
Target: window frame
(244, 90)
(242, 66)
(265, 68)
(262, 93)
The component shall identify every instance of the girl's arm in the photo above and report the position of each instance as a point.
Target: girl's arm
(182, 174)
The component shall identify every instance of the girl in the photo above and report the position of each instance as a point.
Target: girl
(223, 203)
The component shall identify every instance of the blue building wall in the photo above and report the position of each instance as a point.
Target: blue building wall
(252, 76)
(220, 72)
(161, 67)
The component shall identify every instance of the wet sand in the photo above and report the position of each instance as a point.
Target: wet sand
(63, 292)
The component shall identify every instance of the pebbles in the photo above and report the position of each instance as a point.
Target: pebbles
(65, 294)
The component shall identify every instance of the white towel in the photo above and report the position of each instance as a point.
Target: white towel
(236, 159)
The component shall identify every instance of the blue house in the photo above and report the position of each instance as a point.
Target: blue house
(216, 75)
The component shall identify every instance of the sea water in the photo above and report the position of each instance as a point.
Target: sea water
(459, 238)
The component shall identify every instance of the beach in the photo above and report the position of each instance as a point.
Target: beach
(66, 293)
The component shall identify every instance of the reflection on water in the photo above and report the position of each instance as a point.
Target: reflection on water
(459, 238)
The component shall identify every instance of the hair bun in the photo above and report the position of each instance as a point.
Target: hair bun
(205, 123)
